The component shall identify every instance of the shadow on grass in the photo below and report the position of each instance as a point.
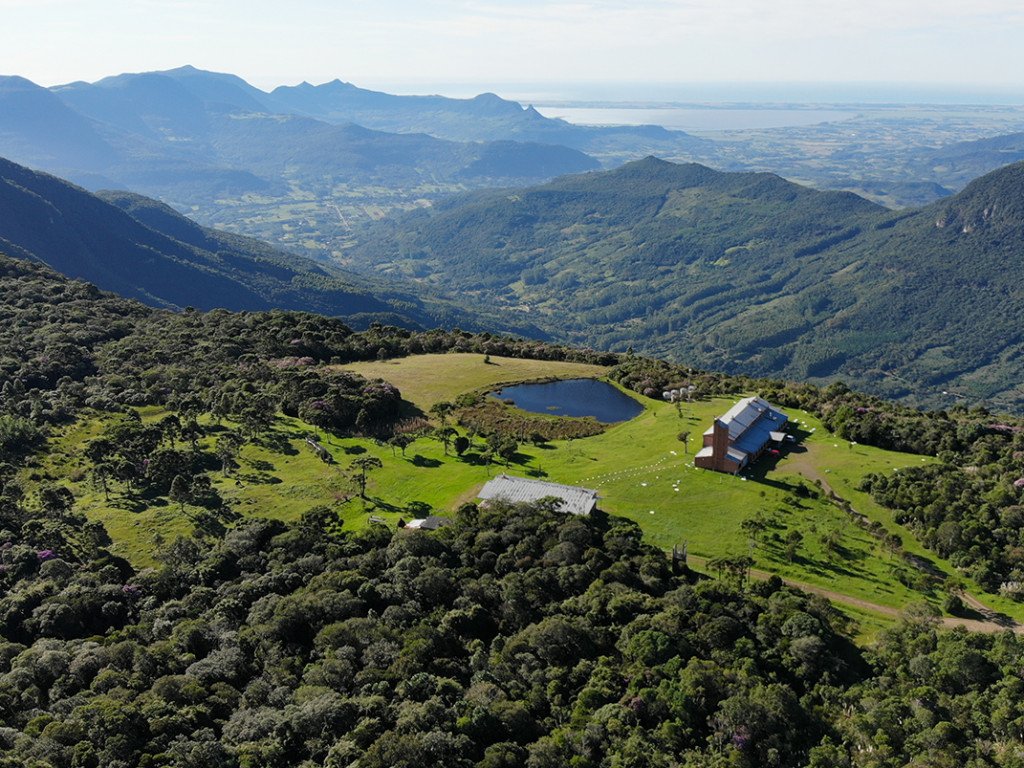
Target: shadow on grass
(922, 563)
(970, 614)
(257, 478)
(130, 504)
(422, 461)
(134, 503)
(820, 568)
(277, 442)
(379, 503)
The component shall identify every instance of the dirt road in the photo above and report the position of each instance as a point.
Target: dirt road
(990, 626)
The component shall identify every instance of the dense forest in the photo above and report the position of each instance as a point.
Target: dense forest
(513, 637)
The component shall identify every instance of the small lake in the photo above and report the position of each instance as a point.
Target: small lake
(573, 397)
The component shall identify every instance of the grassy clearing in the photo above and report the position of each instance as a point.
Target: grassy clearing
(641, 469)
(133, 526)
(644, 473)
(428, 379)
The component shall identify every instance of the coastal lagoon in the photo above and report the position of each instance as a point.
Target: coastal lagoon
(697, 118)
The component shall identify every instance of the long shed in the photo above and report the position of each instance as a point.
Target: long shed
(573, 499)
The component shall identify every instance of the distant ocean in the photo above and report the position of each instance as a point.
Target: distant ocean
(696, 118)
(686, 94)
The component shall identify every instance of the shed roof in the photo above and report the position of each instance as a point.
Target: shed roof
(431, 523)
(574, 499)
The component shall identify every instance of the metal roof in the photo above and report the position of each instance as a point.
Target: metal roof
(751, 422)
(517, 490)
(740, 457)
(431, 523)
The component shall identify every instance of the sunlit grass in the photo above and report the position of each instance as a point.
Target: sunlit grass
(641, 469)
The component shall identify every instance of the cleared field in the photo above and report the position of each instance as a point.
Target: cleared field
(641, 469)
(428, 379)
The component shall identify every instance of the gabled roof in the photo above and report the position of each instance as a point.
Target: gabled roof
(742, 416)
(751, 422)
(574, 499)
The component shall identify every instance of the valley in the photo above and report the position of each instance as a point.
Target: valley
(219, 494)
(259, 370)
(739, 272)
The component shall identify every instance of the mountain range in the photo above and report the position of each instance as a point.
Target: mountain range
(742, 272)
(486, 117)
(189, 136)
(187, 131)
(143, 249)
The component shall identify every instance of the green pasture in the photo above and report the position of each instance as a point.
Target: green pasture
(427, 379)
(640, 468)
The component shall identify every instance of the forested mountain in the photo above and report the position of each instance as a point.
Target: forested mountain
(743, 272)
(192, 136)
(516, 637)
(143, 249)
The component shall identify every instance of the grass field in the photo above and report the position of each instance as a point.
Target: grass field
(428, 379)
(640, 468)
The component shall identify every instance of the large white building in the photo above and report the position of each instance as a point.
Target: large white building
(574, 500)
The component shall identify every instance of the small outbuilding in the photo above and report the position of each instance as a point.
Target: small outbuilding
(573, 499)
(741, 435)
(431, 523)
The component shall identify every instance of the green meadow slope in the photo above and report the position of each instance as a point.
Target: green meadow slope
(641, 469)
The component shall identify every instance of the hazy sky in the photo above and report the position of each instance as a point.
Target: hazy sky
(412, 43)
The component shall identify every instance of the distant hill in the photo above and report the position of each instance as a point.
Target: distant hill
(744, 272)
(968, 160)
(897, 194)
(35, 122)
(486, 117)
(143, 249)
(193, 137)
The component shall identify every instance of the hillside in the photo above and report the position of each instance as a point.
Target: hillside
(741, 272)
(143, 249)
(966, 160)
(185, 581)
(35, 122)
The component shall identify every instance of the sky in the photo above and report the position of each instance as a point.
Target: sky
(605, 47)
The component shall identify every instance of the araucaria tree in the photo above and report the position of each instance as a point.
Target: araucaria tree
(363, 466)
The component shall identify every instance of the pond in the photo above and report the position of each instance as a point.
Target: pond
(573, 397)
